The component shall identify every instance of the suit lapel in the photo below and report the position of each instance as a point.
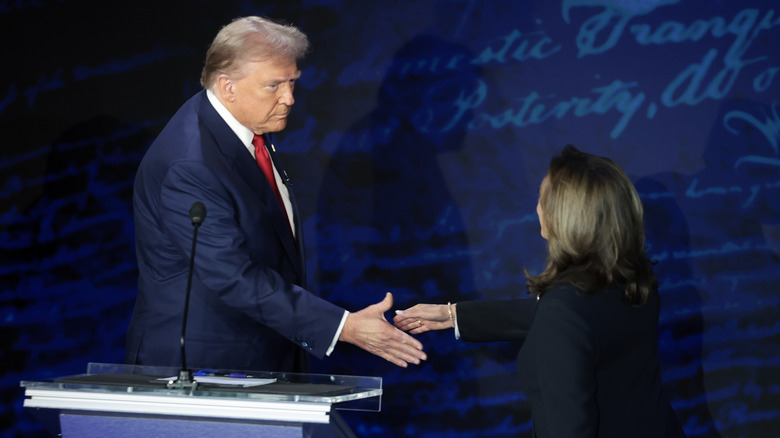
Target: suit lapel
(243, 164)
(296, 215)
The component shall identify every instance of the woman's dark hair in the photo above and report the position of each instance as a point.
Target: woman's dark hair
(595, 235)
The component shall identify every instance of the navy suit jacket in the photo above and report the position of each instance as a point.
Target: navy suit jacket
(589, 363)
(248, 308)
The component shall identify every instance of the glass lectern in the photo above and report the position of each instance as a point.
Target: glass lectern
(138, 401)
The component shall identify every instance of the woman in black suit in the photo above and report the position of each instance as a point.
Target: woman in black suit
(589, 361)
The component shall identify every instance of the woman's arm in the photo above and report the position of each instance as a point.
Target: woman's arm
(476, 321)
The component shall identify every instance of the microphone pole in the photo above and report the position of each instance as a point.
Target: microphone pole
(185, 379)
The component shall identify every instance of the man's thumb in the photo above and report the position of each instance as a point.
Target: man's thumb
(386, 303)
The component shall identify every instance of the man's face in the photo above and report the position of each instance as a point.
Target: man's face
(262, 99)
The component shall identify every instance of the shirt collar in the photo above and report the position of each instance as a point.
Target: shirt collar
(242, 132)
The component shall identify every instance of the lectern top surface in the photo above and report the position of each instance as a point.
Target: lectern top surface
(124, 379)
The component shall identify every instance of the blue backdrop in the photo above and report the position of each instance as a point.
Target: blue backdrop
(420, 133)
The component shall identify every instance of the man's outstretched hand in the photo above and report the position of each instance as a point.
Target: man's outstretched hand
(369, 330)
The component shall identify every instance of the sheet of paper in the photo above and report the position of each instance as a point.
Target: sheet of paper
(244, 382)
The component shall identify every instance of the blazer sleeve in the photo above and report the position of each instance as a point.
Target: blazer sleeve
(565, 355)
(225, 266)
(495, 320)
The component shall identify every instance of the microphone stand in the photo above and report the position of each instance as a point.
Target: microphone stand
(185, 379)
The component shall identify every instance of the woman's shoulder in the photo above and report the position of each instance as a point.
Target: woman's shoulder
(609, 301)
(567, 295)
(561, 295)
(563, 291)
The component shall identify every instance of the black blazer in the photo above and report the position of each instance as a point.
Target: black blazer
(588, 365)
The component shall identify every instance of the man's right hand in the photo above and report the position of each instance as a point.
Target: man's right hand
(369, 330)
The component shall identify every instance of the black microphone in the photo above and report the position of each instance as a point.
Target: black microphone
(185, 379)
(197, 214)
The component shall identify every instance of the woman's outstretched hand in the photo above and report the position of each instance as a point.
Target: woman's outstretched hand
(424, 317)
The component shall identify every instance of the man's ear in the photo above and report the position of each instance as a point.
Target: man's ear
(225, 88)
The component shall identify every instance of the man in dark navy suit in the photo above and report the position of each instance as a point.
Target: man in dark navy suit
(249, 309)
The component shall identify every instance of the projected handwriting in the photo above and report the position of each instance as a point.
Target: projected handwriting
(710, 77)
(694, 89)
(591, 28)
(704, 79)
(59, 80)
(159, 53)
(744, 27)
(515, 45)
(748, 194)
(698, 81)
(535, 109)
(769, 127)
(44, 84)
(512, 47)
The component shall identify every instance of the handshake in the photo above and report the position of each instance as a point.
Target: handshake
(369, 330)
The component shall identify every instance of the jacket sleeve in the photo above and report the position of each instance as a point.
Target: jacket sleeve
(495, 320)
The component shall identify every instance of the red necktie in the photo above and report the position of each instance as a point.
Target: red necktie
(264, 161)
